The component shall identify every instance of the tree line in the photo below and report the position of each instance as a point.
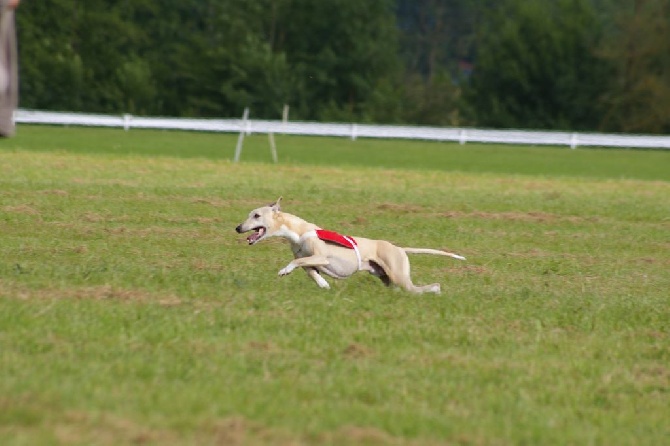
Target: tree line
(601, 65)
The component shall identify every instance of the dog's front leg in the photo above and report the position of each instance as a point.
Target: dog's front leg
(302, 262)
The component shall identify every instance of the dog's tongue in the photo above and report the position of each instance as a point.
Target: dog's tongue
(255, 236)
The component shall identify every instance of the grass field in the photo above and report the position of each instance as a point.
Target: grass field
(132, 313)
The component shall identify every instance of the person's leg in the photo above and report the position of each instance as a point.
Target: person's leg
(8, 73)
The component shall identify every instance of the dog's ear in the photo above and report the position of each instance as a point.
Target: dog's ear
(276, 207)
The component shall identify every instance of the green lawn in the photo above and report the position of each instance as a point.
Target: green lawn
(131, 311)
(413, 155)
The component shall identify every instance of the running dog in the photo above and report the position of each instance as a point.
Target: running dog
(318, 251)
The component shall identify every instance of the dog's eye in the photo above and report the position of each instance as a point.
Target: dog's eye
(257, 215)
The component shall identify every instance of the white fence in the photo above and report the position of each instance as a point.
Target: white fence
(249, 126)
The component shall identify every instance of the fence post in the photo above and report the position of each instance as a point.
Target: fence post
(240, 139)
(573, 141)
(126, 121)
(273, 147)
(284, 118)
(354, 132)
(462, 137)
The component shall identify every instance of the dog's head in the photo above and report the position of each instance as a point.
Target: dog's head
(261, 221)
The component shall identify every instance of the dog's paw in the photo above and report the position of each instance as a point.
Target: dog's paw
(288, 269)
(322, 283)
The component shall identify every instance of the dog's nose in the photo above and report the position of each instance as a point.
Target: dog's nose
(239, 229)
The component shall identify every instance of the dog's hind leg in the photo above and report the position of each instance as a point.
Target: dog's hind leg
(395, 264)
(406, 283)
(378, 271)
(314, 274)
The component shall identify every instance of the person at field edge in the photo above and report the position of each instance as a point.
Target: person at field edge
(9, 70)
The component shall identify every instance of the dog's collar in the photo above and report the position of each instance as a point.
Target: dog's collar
(333, 237)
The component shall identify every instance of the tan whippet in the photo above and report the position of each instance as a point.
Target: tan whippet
(319, 251)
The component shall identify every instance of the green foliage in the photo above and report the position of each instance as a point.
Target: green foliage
(566, 64)
(536, 67)
(638, 97)
(223, 64)
(137, 86)
(207, 58)
(433, 102)
(52, 71)
(339, 51)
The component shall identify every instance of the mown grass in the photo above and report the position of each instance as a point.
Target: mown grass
(420, 155)
(131, 312)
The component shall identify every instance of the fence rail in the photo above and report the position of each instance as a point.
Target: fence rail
(353, 131)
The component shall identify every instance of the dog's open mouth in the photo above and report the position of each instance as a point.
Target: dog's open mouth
(259, 232)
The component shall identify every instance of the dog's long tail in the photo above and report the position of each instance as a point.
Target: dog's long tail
(432, 251)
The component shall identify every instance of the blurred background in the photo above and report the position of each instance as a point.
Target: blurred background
(581, 65)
